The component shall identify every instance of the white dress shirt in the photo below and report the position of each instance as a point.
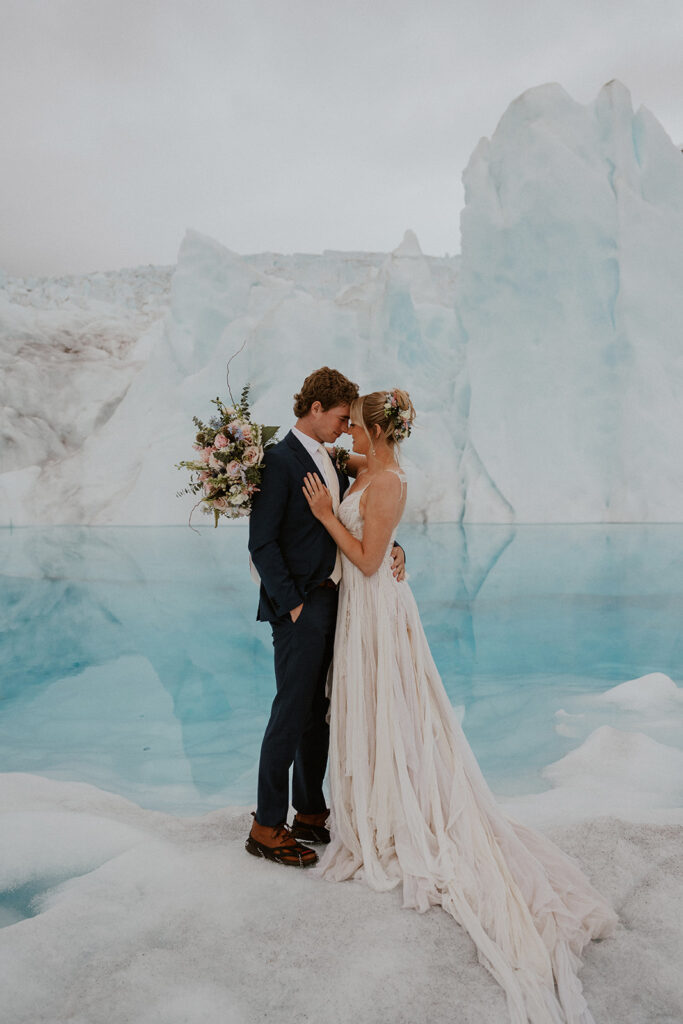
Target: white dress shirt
(323, 461)
(312, 447)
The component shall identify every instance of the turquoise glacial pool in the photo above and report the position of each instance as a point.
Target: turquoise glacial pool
(130, 657)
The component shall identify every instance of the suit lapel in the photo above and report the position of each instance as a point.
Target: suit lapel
(309, 463)
(300, 452)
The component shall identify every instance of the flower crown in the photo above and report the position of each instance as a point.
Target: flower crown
(399, 417)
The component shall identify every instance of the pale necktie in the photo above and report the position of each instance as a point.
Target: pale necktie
(332, 481)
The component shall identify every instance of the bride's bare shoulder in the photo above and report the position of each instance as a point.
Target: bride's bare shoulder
(389, 483)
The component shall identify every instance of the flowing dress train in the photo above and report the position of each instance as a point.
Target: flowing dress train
(411, 807)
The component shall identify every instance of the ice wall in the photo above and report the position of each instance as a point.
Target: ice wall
(570, 296)
(546, 363)
(70, 348)
(384, 320)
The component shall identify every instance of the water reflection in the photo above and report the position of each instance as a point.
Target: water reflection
(130, 657)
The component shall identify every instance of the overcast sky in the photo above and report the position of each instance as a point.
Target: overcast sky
(288, 125)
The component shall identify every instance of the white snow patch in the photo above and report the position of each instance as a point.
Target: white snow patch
(626, 774)
(174, 923)
(653, 691)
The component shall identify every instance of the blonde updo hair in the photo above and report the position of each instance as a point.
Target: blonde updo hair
(391, 410)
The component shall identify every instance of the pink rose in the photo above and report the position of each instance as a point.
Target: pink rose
(252, 456)
(220, 441)
(233, 468)
(205, 454)
(215, 463)
(247, 434)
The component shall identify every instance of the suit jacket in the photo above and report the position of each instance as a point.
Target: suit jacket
(291, 549)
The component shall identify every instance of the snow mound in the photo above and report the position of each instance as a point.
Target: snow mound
(654, 699)
(652, 691)
(612, 772)
(629, 760)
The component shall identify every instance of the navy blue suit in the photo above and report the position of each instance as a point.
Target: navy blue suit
(293, 554)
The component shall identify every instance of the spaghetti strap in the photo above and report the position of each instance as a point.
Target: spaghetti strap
(400, 474)
(389, 469)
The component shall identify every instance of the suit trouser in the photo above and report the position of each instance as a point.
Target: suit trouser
(297, 732)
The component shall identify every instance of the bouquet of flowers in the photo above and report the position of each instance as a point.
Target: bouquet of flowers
(226, 470)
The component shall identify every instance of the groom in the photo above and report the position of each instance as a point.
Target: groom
(300, 569)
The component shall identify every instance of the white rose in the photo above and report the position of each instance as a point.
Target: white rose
(252, 456)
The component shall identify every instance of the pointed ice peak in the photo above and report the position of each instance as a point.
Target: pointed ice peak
(194, 241)
(615, 94)
(198, 251)
(409, 246)
(613, 109)
(407, 269)
(537, 102)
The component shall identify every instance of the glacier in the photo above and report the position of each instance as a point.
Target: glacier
(383, 319)
(570, 297)
(545, 360)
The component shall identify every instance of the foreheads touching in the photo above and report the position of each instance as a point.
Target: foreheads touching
(322, 405)
(326, 386)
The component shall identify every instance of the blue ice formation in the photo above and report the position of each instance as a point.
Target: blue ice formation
(544, 361)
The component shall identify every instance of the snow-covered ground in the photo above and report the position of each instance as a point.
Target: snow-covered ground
(545, 361)
(146, 917)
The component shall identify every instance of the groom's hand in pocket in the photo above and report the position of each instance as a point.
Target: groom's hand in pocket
(295, 612)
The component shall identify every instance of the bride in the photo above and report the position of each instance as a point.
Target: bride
(410, 806)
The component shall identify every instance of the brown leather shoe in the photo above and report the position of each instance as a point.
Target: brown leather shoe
(279, 845)
(311, 828)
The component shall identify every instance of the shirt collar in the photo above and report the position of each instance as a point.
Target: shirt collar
(310, 444)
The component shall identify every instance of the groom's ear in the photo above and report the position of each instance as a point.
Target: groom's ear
(316, 407)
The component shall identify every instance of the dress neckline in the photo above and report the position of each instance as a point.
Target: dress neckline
(390, 469)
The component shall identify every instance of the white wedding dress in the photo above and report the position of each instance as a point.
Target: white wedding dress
(411, 807)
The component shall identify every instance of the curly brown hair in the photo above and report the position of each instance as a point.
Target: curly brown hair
(329, 387)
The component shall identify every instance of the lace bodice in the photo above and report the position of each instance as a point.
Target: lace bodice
(349, 513)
